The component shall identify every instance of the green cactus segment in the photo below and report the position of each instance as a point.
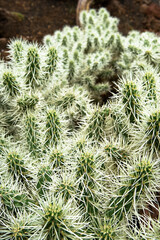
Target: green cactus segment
(58, 222)
(105, 230)
(53, 128)
(107, 233)
(119, 124)
(131, 99)
(17, 51)
(150, 86)
(51, 62)
(86, 166)
(44, 178)
(66, 188)
(32, 71)
(27, 102)
(97, 124)
(66, 100)
(57, 159)
(18, 232)
(148, 55)
(80, 144)
(19, 227)
(138, 180)
(71, 71)
(12, 199)
(10, 83)
(65, 56)
(86, 175)
(32, 134)
(16, 166)
(79, 119)
(64, 41)
(153, 131)
(117, 154)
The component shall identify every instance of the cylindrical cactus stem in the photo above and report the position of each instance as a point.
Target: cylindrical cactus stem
(131, 100)
(66, 186)
(65, 56)
(32, 71)
(10, 84)
(13, 199)
(118, 154)
(44, 179)
(22, 226)
(104, 229)
(27, 102)
(48, 40)
(120, 124)
(137, 182)
(32, 134)
(71, 71)
(153, 131)
(149, 85)
(96, 124)
(85, 173)
(16, 50)
(57, 159)
(53, 128)
(60, 220)
(147, 134)
(51, 62)
(17, 167)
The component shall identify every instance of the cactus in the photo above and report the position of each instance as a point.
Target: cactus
(44, 178)
(150, 85)
(131, 100)
(79, 142)
(56, 158)
(51, 62)
(13, 199)
(138, 181)
(27, 102)
(53, 128)
(19, 227)
(32, 134)
(10, 84)
(16, 166)
(59, 221)
(97, 123)
(16, 50)
(32, 71)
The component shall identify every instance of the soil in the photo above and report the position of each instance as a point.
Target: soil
(32, 19)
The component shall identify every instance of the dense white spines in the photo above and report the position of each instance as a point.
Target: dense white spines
(74, 166)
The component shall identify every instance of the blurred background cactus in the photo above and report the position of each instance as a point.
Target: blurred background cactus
(80, 134)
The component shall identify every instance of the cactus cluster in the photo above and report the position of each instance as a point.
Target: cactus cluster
(80, 134)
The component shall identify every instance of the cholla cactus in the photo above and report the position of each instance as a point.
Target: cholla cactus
(60, 220)
(44, 178)
(10, 84)
(96, 125)
(51, 62)
(19, 227)
(56, 158)
(138, 181)
(53, 128)
(73, 164)
(32, 71)
(32, 134)
(16, 50)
